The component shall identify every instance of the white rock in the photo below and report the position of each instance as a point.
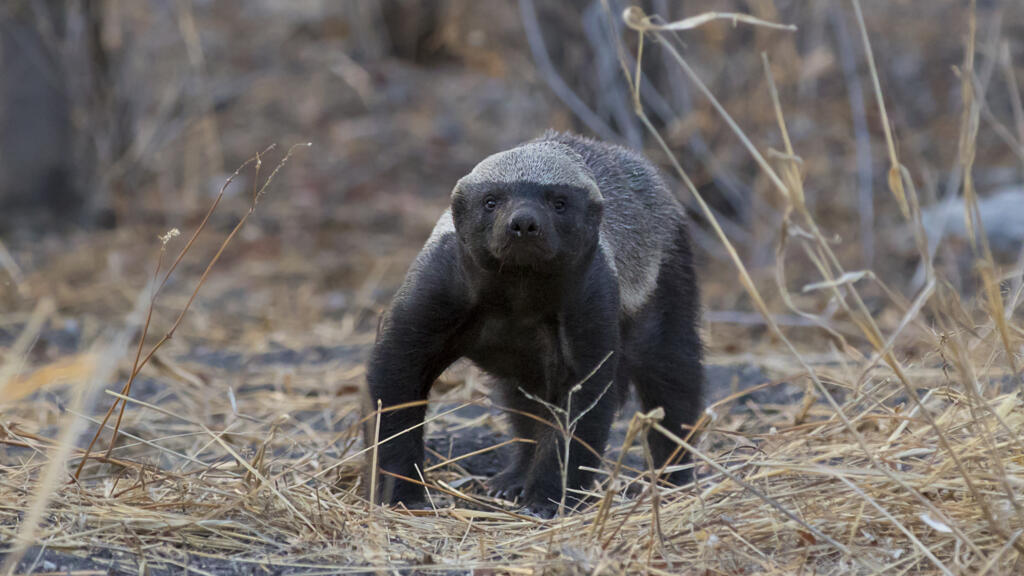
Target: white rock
(1002, 214)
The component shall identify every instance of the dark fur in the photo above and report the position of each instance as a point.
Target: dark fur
(529, 294)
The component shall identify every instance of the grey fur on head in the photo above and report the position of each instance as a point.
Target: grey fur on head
(542, 162)
(630, 188)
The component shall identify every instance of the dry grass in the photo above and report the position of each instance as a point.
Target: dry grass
(892, 464)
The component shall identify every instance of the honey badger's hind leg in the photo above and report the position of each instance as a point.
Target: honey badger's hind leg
(664, 351)
(522, 414)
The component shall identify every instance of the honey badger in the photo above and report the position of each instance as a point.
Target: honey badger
(564, 261)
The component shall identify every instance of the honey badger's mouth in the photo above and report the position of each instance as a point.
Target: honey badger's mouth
(522, 252)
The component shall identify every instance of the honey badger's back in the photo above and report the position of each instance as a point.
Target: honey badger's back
(642, 219)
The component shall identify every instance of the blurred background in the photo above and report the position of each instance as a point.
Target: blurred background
(130, 115)
(121, 120)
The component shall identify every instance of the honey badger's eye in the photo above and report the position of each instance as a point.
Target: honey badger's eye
(559, 204)
(490, 203)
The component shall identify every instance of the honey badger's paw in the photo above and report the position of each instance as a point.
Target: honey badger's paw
(547, 507)
(541, 509)
(507, 484)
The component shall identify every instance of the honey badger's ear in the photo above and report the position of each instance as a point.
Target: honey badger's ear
(593, 190)
(458, 202)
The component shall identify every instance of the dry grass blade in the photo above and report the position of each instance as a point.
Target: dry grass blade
(834, 277)
(895, 177)
(10, 266)
(138, 365)
(104, 367)
(16, 354)
(635, 18)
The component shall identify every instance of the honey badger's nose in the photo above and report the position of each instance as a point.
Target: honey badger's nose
(524, 222)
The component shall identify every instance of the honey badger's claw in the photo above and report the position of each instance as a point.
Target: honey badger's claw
(544, 511)
(509, 494)
(507, 484)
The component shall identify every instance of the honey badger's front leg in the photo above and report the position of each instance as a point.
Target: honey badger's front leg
(586, 396)
(418, 338)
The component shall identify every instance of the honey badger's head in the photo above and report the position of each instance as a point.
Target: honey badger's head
(536, 207)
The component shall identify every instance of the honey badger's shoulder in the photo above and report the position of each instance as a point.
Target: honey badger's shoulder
(642, 220)
(622, 174)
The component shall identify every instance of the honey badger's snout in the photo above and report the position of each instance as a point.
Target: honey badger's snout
(525, 236)
(524, 223)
